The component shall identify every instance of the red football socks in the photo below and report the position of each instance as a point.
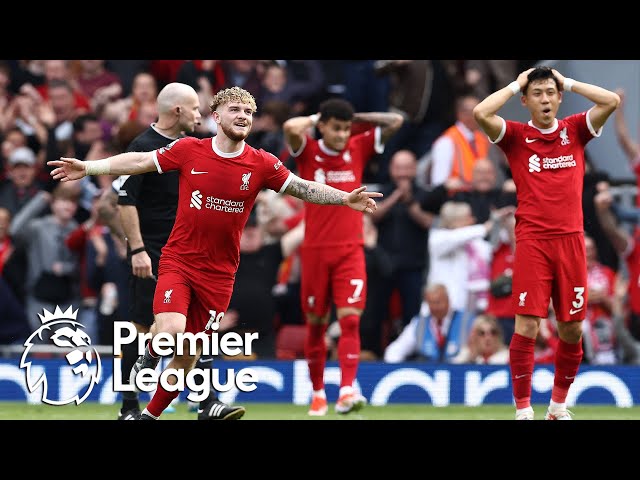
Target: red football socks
(521, 360)
(161, 400)
(315, 351)
(349, 348)
(567, 363)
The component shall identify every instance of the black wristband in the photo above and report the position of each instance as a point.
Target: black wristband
(137, 250)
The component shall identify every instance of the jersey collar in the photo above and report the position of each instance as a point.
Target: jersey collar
(219, 152)
(544, 131)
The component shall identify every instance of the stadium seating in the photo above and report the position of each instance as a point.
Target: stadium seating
(290, 342)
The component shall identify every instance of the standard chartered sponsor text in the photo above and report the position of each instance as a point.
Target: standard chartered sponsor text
(222, 205)
(340, 176)
(563, 161)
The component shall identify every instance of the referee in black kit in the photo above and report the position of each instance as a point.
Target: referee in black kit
(147, 205)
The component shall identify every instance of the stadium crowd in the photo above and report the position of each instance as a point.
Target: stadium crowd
(438, 250)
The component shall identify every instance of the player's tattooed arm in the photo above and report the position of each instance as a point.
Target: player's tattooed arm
(383, 119)
(315, 192)
(388, 121)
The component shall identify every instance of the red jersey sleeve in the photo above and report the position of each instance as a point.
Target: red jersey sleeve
(580, 124)
(172, 156)
(276, 176)
(368, 143)
(511, 131)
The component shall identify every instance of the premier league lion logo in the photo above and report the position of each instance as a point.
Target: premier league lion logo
(59, 329)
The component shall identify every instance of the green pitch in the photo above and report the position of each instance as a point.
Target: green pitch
(281, 411)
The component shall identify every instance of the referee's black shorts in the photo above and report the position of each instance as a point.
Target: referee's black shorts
(141, 291)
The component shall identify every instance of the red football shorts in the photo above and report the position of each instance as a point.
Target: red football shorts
(335, 274)
(553, 269)
(197, 297)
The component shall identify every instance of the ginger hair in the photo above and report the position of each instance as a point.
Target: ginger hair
(233, 94)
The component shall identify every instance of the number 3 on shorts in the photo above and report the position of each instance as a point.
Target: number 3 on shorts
(579, 301)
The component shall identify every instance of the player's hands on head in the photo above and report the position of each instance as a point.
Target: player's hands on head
(559, 76)
(362, 201)
(523, 78)
(67, 169)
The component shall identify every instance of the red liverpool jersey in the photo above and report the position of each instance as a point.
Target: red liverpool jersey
(335, 225)
(217, 191)
(548, 169)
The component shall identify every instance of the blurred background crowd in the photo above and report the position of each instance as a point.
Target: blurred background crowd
(441, 241)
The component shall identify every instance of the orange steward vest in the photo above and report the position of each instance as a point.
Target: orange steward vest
(464, 157)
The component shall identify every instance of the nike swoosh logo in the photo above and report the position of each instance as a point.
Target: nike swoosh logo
(200, 410)
(521, 376)
(319, 158)
(569, 378)
(193, 172)
(572, 311)
(530, 141)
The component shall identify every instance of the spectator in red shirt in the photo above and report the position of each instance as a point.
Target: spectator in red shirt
(59, 70)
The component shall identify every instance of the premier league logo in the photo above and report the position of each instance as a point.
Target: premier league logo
(60, 330)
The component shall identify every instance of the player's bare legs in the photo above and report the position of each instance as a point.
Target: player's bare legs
(567, 362)
(315, 350)
(349, 358)
(210, 407)
(171, 323)
(162, 398)
(521, 355)
(152, 362)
